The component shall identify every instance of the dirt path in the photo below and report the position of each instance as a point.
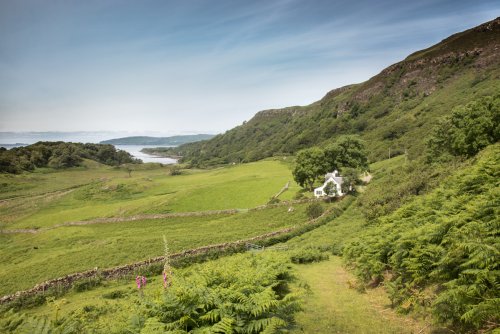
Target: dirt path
(333, 306)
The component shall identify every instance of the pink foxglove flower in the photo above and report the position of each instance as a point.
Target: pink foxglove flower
(144, 281)
(138, 282)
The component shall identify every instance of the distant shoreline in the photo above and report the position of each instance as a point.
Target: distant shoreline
(14, 145)
(161, 152)
(159, 141)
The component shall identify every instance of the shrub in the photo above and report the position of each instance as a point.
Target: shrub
(314, 210)
(87, 284)
(175, 170)
(299, 195)
(308, 256)
(243, 294)
(115, 294)
(274, 200)
(467, 130)
(441, 249)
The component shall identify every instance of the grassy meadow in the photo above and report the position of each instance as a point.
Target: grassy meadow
(331, 302)
(31, 258)
(45, 199)
(334, 305)
(49, 198)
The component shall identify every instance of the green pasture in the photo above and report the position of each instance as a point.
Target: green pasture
(28, 259)
(107, 192)
(75, 248)
(331, 303)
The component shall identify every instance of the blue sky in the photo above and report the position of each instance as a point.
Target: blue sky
(200, 66)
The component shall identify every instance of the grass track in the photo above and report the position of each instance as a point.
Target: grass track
(333, 307)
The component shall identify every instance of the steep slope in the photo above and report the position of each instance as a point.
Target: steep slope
(392, 111)
(440, 253)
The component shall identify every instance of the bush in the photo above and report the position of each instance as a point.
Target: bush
(299, 195)
(87, 284)
(175, 170)
(467, 130)
(314, 210)
(308, 256)
(243, 294)
(441, 249)
(115, 294)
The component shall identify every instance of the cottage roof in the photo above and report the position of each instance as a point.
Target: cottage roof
(338, 179)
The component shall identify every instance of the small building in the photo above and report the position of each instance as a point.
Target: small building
(333, 183)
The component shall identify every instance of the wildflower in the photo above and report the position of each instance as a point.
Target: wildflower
(138, 281)
(165, 283)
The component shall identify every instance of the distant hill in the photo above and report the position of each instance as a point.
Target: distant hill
(392, 112)
(169, 141)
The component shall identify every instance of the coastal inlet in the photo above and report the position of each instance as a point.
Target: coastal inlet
(135, 150)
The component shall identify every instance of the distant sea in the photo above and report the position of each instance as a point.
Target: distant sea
(16, 139)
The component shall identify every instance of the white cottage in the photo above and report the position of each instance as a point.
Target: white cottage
(335, 179)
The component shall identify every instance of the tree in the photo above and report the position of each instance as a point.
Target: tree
(467, 130)
(310, 164)
(350, 178)
(128, 169)
(330, 189)
(346, 152)
(314, 210)
(60, 155)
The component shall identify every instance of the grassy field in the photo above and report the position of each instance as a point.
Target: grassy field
(331, 307)
(331, 304)
(107, 192)
(31, 258)
(45, 199)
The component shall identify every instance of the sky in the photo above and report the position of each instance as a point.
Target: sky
(190, 66)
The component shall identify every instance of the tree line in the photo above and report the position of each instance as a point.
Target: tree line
(60, 155)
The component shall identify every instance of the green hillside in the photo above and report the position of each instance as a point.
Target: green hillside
(146, 140)
(391, 111)
(413, 248)
(439, 254)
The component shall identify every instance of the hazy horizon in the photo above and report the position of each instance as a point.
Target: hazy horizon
(176, 67)
(31, 137)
